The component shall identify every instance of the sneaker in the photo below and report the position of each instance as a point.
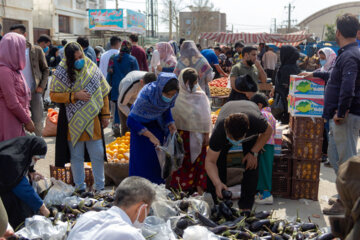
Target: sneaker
(327, 164)
(336, 209)
(258, 196)
(265, 201)
(116, 131)
(324, 159)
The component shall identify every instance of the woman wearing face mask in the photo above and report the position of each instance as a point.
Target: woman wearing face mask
(82, 90)
(150, 120)
(327, 58)
(192, 115)
(191, 57)
(17, 159)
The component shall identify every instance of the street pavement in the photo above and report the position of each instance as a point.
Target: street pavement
(283, 208)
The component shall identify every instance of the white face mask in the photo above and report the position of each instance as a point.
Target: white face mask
(138, 224)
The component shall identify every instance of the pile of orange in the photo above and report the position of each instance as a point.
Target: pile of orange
(118, 150)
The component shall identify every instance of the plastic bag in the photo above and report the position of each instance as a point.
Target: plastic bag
(156, 228)
(198, 233)
(171, 155)
(58, 192)
(39, 227)
(164, 209)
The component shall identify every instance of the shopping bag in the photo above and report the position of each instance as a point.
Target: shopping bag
(51, 123)
(278, 107)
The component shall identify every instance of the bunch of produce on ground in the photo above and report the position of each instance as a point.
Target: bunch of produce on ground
(118, 150)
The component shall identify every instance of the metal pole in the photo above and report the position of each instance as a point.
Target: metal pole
(152, 19)
(289, 18)
(170, 20)
(117, 4)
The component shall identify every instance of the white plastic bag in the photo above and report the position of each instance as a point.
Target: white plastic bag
(58, 192)
(198, 233)
(39, 227)
(156, 228)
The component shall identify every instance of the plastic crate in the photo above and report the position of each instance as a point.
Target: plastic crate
(304, 189)
(305, 127)
(307, 149)
(281, 185)
(306, 169)
(64, 174)
(282, 164)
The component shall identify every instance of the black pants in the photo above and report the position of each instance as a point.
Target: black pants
(271, 74)
(248, 185)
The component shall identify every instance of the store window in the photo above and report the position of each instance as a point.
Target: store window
(64, 24)
(188, 21)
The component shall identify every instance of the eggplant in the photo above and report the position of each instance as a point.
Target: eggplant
(183, 195)
(216, 214)
(59, 216)
(245, 213)
(251, 219)
(286, 236)
(74, 206)
(53, 211)
(229, 203)
(299, 236)
(262, 214)
(225, 211)
(227, 195)
(256, 226)
(179, 232)
(234, 223)
(240, 234)
(182, 224)
(88, 203)
(281, 227)
(205, 221)
(235, 212)
(218, 229)
(266, 238)
(275, 227)
(184, 205)
(325, 236)
(308, 226)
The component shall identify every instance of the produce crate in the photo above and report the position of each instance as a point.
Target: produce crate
(282, 164)
(306, 169)
(281, 185)
(307, 149)
(64, 174)
(305, 127)
(304, 189)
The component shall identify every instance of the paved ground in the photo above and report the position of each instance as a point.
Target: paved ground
(283, 207)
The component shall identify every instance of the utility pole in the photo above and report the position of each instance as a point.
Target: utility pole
(290, 8)
(170, 20)
(152, 18)
(117, 4)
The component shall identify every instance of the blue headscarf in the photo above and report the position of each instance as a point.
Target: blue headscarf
(149, 105)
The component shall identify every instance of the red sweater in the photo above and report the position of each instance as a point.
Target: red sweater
(140, 56)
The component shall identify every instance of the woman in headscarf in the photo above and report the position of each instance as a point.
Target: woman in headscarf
(14, 92)
(150, 120)
(83, 91)
(121, 65)
(193, 119)
(191, 57)
(288, 57)
(17, 159)
(53, 59)
(167, 58)
(175, 48)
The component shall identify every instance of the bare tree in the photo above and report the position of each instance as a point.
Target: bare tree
(200, 18)
(176, 7)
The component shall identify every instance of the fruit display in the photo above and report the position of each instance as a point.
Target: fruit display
(219, 82)
(118, 151)
(307, 149)
(311, 128)
(219, 91)
(306, 170)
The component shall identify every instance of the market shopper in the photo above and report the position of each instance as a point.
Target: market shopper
(14, 92)
(115, 43)
(139, 53)
(149, 121)
(192, 117)
(327, 59)
(129, 88)
(266, 156)
(61, 51)
(213, 60)
(239, 122)
(238, 55)
(167, 59)
(36, 74)
(133, 199)
(82, 90)
(44, 41)
(191, 57)
(119, 66)
(53, 59)
(288, 57)
(269, 61)
(248, 66)
(18, 157)
(88, 50)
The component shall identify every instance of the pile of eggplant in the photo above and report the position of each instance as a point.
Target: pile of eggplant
(230, 223)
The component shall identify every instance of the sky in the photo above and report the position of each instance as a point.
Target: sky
(249, 15)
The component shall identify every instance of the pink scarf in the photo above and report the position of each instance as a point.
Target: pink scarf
(167, 54)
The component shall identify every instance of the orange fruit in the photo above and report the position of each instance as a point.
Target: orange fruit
(122, 150)
(127, 134)
(120, 156)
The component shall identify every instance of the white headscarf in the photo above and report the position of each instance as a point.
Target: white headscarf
(192, 113)
(330, 58)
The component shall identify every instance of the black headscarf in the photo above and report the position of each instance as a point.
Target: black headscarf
(15, 159)
(288, 55)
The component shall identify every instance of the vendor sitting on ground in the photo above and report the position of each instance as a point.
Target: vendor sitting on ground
(239, 122)
(17, 159)
(133, 199)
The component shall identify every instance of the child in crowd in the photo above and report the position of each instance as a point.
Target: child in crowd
(266, 157)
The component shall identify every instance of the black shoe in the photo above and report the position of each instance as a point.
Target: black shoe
(327, 164)
(324, 159)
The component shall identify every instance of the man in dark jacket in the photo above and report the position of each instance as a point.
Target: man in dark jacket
(88, 50)
(342, 98)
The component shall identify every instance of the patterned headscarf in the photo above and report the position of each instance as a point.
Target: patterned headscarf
(330, 58)
(81, 115)
(149, 105)
(166, 52)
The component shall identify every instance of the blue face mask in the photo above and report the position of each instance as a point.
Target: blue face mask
(322, 62)
(79, 64)
(233, 142)
(46, 49)
(166, 99)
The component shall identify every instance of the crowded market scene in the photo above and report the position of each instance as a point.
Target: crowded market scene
(163, 124)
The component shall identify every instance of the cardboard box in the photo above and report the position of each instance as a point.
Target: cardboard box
(306, 86)
(306, 107)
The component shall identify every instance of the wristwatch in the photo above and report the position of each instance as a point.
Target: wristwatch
(255, 154)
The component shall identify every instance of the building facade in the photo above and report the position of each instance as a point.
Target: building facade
(316, 23)
(17, 12)
(195, 22)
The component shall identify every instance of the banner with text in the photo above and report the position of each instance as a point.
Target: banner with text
(106, 19)
(135, 22)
